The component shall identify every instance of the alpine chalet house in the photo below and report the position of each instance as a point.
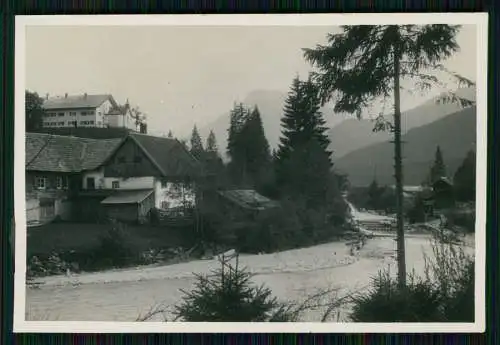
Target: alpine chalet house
(85, 110)
(94, 179)
(162, 167)
(54, 165)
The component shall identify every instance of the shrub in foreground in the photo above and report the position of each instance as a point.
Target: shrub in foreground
(444, 294)
(229, 295)
(115, 248)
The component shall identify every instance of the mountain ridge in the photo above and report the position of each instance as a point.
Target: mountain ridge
(454, 133)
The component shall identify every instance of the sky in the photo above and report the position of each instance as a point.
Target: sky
(180, 76)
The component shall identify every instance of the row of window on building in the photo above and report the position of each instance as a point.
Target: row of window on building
(41, 182)
(71, 113)
(70, 123)
(61, 182)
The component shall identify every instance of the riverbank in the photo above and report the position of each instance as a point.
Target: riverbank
(292, 275)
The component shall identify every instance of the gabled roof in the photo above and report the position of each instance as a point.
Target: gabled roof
(77, 101)
(249, 199)
(170, 157)
(57, 153)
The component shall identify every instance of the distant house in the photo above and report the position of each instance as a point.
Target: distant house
(443, 192)
(410, 191)
(85, 110)
(95, 177)
(121, 117)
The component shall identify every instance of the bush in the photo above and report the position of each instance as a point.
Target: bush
(271, 231)
(465, 219)
(444, 294)
(115, 249)
(229, 295)
(52, 264)
(418, 302)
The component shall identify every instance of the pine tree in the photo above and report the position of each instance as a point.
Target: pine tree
(367, 62)
(170, 134)
(302, 119)
(438, 170)
(211, 145)
(213, 163)
(196, 143)
(464, 180)
(235, 146)
(303, 164)
(256, 150)
(374, 194)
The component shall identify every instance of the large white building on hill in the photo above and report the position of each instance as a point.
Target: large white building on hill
(85, 110)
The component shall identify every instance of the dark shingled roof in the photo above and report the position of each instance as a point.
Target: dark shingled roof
(79, 101)
(249, 199)
(57, 153)
(169, 155)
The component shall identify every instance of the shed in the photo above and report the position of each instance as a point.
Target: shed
(245, 202)
(129, 205)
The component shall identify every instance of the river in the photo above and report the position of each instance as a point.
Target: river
(123, 295)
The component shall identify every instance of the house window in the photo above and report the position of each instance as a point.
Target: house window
(91, 112)
(72, 113)
(41, 182)
(62, 182)
(60, 123)
(137, 159)
(115, 184)
(84, 113)
(90, 183)
(60, 114)
(91, 122)
(59, 182)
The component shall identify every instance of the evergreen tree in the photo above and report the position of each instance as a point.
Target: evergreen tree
(438, 169)
(256, 150)
(303, 161)
(464, 180)
(214, 166)
(302, 120)
(374, 195)
(235, 144)
(366, 62)
(196, 143)
(212, 142)
(170, 134)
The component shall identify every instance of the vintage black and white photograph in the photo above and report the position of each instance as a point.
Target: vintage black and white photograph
(312, 174)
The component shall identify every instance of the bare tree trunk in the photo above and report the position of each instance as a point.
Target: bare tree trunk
(398, 169)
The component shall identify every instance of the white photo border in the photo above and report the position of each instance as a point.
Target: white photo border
(21, 22)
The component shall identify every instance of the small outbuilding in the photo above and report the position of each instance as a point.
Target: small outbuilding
(131, 206)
